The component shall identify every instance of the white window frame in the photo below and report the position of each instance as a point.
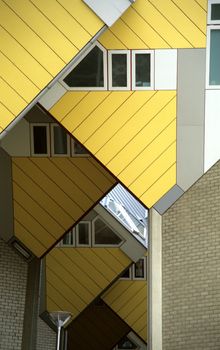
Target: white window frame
(208, 86)
(115, 52)
(145, 271)
(77, 234)
(52, 125)
(73, 154)
(210, 3)
(104, 245)
(67, 87)
(72, 231)
(151, 53)
(32, 125)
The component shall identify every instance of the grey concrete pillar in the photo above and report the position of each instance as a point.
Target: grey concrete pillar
(155, 281)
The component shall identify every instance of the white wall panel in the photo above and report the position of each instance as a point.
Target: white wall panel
(165, 69)
(212, 128)
(108, 11)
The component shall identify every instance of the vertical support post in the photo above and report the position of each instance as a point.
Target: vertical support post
(58, 337)
(155, 281)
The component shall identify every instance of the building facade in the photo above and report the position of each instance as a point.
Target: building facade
(95, 94)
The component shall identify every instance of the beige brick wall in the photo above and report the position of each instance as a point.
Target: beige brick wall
(191, 267)
(46, 337)
(13, 278)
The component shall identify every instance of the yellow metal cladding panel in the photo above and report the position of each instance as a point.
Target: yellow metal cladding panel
(129, 300)
(51, 194)
(159, 24)
(133, 133)
(76, 276)
(38, 39)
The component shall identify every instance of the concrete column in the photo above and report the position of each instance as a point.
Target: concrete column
(31, 307)
(155, 281)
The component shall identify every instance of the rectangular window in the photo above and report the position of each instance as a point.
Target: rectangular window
(40, 139)
(142, 70)
(214, 71)
(119, 69)
(139, 269)
(60, 141)
(214, 12)
(83, 234)
(213, 59)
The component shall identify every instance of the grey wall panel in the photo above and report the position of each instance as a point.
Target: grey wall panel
(190, 116)
(168, 199)
(17, 141)
(6, 203)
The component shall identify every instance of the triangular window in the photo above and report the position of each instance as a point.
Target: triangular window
(104, 235)
(89, 72)
(126, 343)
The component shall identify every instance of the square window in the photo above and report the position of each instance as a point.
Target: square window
(214, 12)
(119, 70)
(142, 70)
(60, 141)
(40, 139)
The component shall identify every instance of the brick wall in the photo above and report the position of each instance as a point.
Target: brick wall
(191, 267)
(13, 278)
(46, 337)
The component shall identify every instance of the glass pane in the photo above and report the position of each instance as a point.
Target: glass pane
(40, 139)
(126, 274)
(104, 235)
(142, 69)
(89, 72)
(83, 233)
(68, 239)
(214, 76)
(119, 70)
(79, 149)
(60, 140)
(139, 269)
(215, 12)
(126, 343)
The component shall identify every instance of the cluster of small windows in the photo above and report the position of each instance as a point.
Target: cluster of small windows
(213, 39)
(137, 271)
(123, 70)
(91, 234)
(50, 139)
